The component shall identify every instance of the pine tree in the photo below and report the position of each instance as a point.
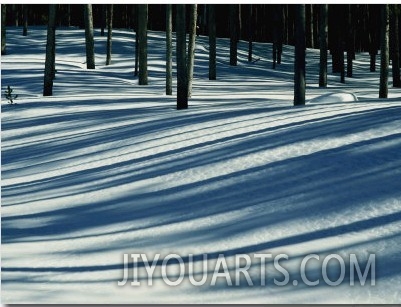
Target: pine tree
(25, 27)
(212, 41)
(169, 50)
(3, 28)
(299, 76)
(234, 33)
(323, 45)
(384, 51)
(395, 43)
(191, 46)
(90, 44)
(143, 43)
(50, 52)
(182, 73)
(109, 32)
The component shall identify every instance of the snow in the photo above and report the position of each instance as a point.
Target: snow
(106, 167)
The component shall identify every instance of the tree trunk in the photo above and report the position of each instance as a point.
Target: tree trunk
(384, 51)
(143, 43)
(103, 19)
(25, 27)
(50, 52)
(234, 22)
(250, 33)
(350, 42)
(109, 32)
(69, 15)
(299, 75)
(181, 53)
(212, 41)
(395, 43)
(3, 28)
(309, 25)
(169, 50)
(135, 13)
(323, 45)
(90, 44)
(191, 47)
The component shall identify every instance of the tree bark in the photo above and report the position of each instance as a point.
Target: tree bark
(103, 19)
(250, 33)
(90, 44)
(143, 43)
(234, 24)
(212, 41)
(323, 30)
(109, 32)
(309, 25)
(299, 76)
(169, 50)
(384, 51)
(395, 43)
(350, 42)
(3, 28)
(25, 27)
(50, 52)
(191, 46)
(182, 73)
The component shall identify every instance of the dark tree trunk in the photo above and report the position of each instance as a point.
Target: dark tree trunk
(109, 32)
(350, 42)
(299, 75)
(25, 28)
(323, 45)
(250, 33)
(69, 15)
(143, 43)
(182, 82)
(169, 50)
(212, 41)
(395, 43)
(234, 25)
(90, 44)
(309, 25)
(384, 51)
(103, 19)
(135, 13)
(374, 36)
(191, 46)
(50, 52)
(3, 28)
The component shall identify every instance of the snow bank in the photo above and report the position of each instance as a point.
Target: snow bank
(335, 97)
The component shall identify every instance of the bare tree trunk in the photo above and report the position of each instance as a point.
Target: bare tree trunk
(25, 28)
(69, 15)
(299, 76)
(250, 33)
(109, 32)
(350, 42)
(309, 25)
(50, 52)
(323, 30)
(182, 82)
(212, 41)
(384, 51)
(169, 50)
(191, 47)
(395, 43)
(90, 44)
(135, 13)
(234, 22)
(143, 43)
(103, 19)
(3, 28)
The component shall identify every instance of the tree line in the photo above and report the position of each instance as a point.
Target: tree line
(340, 30)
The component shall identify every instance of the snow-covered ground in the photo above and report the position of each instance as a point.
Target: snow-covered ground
(106, 167)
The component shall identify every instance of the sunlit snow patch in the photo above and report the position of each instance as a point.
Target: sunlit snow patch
(335, 97)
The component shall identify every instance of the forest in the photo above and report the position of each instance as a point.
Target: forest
(369, 28)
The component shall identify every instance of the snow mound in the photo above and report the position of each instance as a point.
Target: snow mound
(335, 97)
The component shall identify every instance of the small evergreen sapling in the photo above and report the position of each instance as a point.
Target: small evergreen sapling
(9, 95)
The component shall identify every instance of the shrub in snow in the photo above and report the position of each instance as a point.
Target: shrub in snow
(335, 97)
(9, 95)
